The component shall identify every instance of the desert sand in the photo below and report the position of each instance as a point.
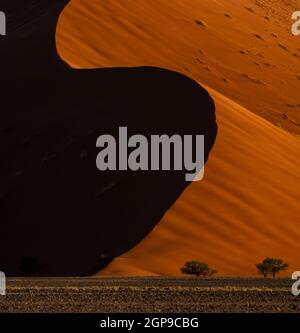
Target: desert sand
(243, 52)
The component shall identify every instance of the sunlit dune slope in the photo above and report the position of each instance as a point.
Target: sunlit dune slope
(247, 207)
(242, 48)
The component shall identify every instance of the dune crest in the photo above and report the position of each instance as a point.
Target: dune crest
(247, 207)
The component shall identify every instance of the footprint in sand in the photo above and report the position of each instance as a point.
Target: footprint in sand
(253, 80)
(201, 23)
(258, 36)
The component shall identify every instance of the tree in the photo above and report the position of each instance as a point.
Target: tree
(263, 269)
(277, 265)
(197, 268)
(271, 266)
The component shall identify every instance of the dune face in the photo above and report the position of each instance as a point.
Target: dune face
(247, 207)
(58, 213)
(244, 210)
(241, 48)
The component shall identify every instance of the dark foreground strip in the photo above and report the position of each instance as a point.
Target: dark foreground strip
(133, 322)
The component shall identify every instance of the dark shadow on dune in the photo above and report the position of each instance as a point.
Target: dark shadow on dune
(55, 206)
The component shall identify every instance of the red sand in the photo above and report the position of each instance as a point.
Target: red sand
(247, 207)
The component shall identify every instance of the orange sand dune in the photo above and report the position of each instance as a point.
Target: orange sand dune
(247, 207)
(245, 49)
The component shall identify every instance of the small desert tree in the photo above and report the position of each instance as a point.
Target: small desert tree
(263, 269)
(278, 265)
(271, 266)
(197, 268)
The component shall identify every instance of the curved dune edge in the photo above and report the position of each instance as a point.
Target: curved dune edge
(247, 207)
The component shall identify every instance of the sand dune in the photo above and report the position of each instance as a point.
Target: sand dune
(247, 207)
(241, 48)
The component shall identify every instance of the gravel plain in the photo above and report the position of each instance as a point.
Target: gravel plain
(147, 295)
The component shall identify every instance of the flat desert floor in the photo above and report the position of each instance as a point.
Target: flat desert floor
(142, 295)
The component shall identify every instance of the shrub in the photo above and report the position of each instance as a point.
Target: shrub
(197, 268)
(271, 266)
